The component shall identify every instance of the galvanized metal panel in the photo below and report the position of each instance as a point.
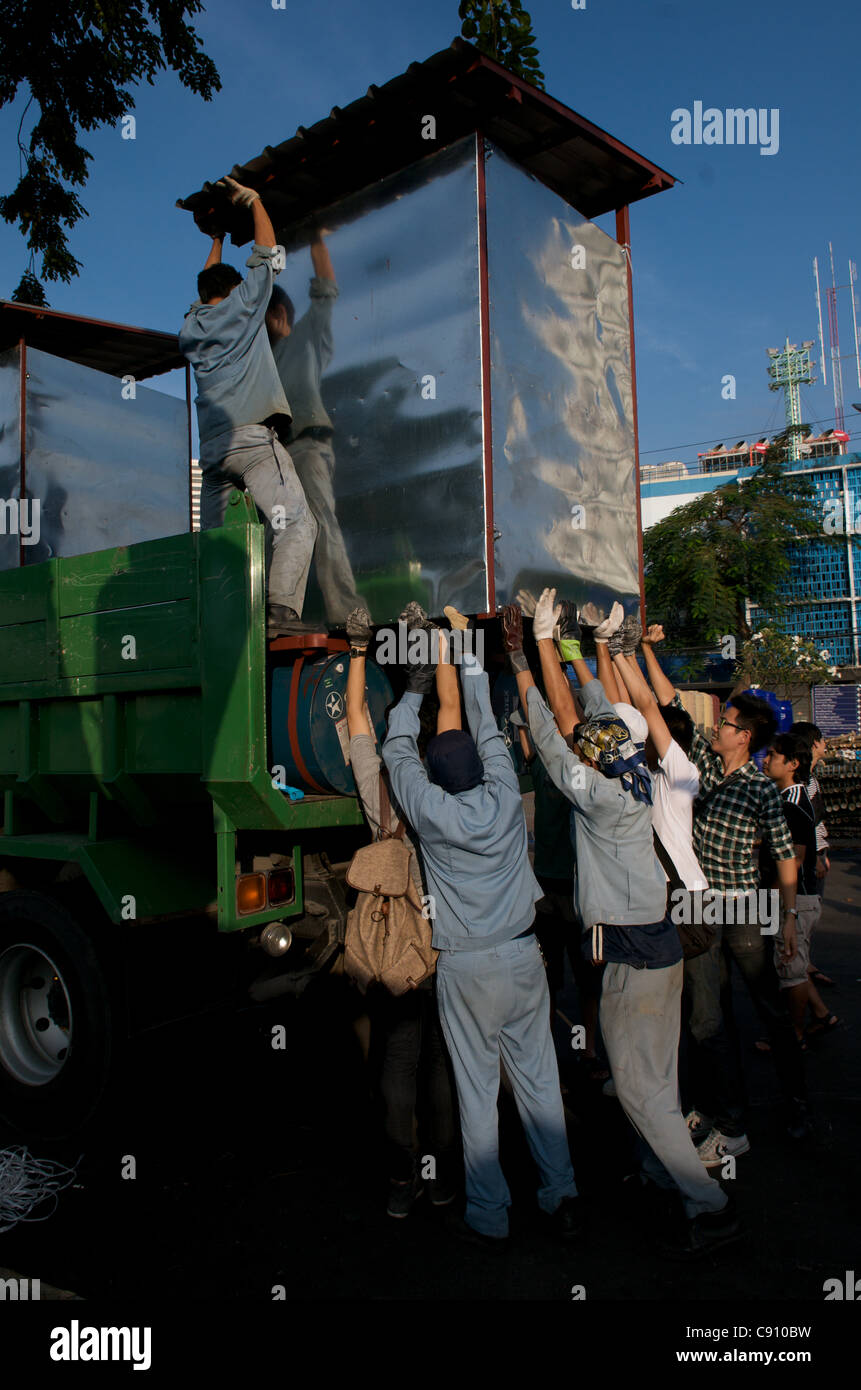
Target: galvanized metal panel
(107, 470)
(562, 406)
(10, 454)
(403, 388)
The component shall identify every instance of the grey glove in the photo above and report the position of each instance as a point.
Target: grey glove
(630, 632)
(614, 644)
(239, 195)
(358, 626)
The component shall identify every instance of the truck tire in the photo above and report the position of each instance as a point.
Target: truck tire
(56, 1019)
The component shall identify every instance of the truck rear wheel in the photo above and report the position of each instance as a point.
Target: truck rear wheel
(56, 1034)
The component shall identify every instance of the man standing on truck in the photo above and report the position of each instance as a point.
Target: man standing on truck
(302, 351)
(243, 413)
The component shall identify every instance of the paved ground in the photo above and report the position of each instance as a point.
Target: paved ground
(257, 1168)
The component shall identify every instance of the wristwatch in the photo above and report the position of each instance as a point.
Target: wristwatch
(793, 911)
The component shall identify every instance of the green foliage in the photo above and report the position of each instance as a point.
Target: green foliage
(774, 660)
(710, 555)
(30, 291)
(77, 61)
(502, 29)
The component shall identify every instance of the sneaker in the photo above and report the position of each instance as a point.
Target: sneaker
(716, 1147)
(705, 1233)
(568, 1219)
(698, 1126)
(403, 1196)
(441, 1191)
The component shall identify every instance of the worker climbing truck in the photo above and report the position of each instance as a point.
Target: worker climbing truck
(174, 784)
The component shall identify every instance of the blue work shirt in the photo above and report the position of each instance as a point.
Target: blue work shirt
(473, 844)
(228, 347)
(303, 356)
(619, 883)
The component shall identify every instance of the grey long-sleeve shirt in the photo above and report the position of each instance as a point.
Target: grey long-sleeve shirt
(619, 880)
(228, 347)
(473, 844)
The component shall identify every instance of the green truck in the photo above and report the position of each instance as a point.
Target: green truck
(145, 815)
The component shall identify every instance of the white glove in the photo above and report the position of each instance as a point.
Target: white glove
(604, 631)
(526, 601)
(239, 195)
(547, 614)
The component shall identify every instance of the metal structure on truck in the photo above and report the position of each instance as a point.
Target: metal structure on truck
(152, 775)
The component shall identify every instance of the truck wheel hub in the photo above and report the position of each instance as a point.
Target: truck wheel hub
(35, 1016)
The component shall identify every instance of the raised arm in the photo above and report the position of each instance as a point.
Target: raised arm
(240, 196)
(358, 627)
(547, 615)
(320, 258)
(661, 684)
(642, 698)
(447, 688)
(214, 257)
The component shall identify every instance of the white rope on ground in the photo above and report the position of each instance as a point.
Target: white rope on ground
(26, 1182)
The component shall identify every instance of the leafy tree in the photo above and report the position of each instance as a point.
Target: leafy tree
(77, 60)
(502, 29)
(707, 557)
(774, 660)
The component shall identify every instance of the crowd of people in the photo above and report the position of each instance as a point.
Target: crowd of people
(659, 861)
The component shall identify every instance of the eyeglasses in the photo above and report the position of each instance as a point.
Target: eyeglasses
(729, 722)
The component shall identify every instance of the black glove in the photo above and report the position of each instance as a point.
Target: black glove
(421, 678)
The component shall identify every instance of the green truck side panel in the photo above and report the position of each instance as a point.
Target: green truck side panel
(133, 682)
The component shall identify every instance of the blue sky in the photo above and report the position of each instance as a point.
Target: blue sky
(722, 263)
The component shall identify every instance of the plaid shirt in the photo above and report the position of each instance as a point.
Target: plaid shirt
(730, 813)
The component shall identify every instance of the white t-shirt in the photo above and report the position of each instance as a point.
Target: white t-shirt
(675, 784)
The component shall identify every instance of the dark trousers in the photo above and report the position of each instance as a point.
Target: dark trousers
(714, 1081)
(416, 1083)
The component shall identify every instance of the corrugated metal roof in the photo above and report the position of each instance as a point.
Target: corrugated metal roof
(115, 348)
(379, 134)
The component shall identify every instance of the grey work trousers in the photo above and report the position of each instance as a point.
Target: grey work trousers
(252, 459)
(640, 1021)
(314, 461)
(495, 1003)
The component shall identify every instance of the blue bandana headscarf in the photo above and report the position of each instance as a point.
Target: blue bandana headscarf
(608, 740)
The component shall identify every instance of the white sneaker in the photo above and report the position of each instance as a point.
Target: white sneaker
(699, 1127)
(716, 1147)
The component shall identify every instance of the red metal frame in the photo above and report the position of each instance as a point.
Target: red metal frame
(22, 426)
(487, 418)
(188, 427)
(623, 237)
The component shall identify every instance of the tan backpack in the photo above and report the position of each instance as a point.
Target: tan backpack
(387, 938)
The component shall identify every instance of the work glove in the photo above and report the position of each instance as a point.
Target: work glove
(413, 615)
(630, 632)
(457, 621)
(211, 222)
(239, 195)
(547, 614)
(511, 619)
(421, 677)
(654, 633)
(605, 630)
(590, 615)
(526, 601)
(615, 644)
(568, 643)
(359, 630)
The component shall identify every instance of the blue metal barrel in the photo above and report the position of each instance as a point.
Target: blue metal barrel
(309, 720)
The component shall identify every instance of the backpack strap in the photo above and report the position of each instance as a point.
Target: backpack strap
(666, 862)
(386, 832)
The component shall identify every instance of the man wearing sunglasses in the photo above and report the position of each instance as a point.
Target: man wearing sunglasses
(736, 807)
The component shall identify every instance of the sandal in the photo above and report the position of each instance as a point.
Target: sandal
(822, 1025)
